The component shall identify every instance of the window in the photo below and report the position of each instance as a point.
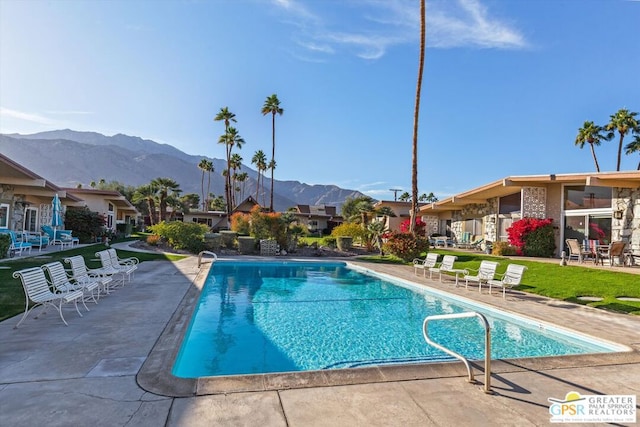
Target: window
(510, 204)
(4, 215)
(473, 226)
(31, 219)
(586, 197)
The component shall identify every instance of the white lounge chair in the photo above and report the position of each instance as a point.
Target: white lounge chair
(512, 277)
(111, 269)
(446, 266)
(60, 281)
(130, 263)
(485, 273)
(36, 290)
(82, 274)
(423, 264)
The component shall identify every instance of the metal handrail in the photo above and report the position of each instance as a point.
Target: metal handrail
(487, 344)
(215, 257)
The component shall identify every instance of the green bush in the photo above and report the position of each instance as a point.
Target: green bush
(349, 229)
(406, 246)
(269, 225)
(85, 224)
(329, 241)
(182, 235)
(5, 242)
(540, 242)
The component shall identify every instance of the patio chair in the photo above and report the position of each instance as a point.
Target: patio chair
(39, 239)
(512, 277)
(131, 262)
(36, 291)
(423, 264)
(83, 274)
(446, 266)
(616, 250)
(576, 251)
(16, 246)
(60, 237)
(484, 273)
(60, 281)
(111, 269)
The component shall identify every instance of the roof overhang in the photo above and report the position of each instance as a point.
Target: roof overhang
(514, 184)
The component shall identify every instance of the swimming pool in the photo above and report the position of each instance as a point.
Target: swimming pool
(266, 317)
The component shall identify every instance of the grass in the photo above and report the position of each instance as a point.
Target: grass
(565, 283)
(11, 292)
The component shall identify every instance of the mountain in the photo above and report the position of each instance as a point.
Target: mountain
(68, 158)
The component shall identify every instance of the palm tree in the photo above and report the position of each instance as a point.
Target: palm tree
(227, 117)
(272, 105)
(634, 146)
(231, 138)
(147, 193)
(592, 134)
(235, 163)
(416, 115)
(242, 178)
(203, 167)
(164, 188)
(404, 197)
(260, 160)
(624, 122)
(209, 169)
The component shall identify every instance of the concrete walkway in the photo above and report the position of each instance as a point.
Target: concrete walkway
(91, 372)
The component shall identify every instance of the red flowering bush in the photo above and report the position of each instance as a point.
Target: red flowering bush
(420, 226)
(532, 237)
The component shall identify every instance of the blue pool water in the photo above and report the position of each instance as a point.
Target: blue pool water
(266, 317)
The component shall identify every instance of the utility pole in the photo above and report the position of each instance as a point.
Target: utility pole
(395, 193)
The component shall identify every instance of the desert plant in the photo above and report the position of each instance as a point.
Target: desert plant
(153, 240)
(503, 249)
(182, 235)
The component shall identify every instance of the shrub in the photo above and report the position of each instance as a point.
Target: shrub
(85, 224)
(349, 229)
(153, 240)
(240, 223)
(420, 226)
(329, 241)
(181, 235)
(5, 242)
(269, 225)
(542, 243)
(406, 246)
(503, 249)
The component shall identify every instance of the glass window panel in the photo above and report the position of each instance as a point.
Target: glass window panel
(4, 216)
(600, 229)
(510, 204)
(586, 197)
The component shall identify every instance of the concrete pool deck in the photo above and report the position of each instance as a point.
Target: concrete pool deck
(109, 369)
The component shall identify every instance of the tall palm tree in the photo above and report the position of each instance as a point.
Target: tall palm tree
(235, 163)
(165, 187)
(591, 134)
(203, 167)
(260, 160)
(272, 106)
(227, 117)
(634, 147)
(416, 116)
(230, 139)
(209, 169)
(624, 122)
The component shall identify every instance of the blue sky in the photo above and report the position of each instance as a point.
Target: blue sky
(507, 83)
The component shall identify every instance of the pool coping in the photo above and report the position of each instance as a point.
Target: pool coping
(155, 374)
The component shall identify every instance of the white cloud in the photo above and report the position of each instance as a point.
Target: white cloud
(28, 117)
(374, 26)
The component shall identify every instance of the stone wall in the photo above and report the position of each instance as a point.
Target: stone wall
(627, 201)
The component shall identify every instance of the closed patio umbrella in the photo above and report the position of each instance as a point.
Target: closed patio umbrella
(56, 214)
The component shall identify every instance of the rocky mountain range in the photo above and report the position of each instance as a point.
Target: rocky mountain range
(68, 158)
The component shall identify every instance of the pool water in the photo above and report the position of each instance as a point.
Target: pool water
(264, 317)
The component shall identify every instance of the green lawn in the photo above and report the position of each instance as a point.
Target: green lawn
(565, 283)
(11, 292)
